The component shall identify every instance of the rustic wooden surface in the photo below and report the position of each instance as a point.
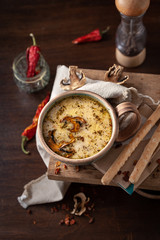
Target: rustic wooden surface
(89, 174)
(55, 24)
(80, 174)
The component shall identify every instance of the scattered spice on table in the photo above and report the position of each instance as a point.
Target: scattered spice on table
(91, 219)
(70, 218)
(30, 131)
(72, 221)
(33, 55)
(61, 222)
(65, 207)
(68, 221)
(126, 176)
(65, 166)
(57, 170)
(94, 36)
(54, 210)
(29, 211)
(58, 163)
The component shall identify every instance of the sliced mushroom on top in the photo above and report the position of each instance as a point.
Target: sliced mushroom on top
(59, 148)
(76, 121)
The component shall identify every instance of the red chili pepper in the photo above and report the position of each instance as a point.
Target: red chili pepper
(33, 54)
(93, 36)
(30, 131)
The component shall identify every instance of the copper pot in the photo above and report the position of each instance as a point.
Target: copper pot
(114, 113)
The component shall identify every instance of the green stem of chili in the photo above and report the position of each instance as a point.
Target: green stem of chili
(33, 39)
(24, 140)
(105, 30)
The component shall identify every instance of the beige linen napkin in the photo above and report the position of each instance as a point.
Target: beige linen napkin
(43, 190)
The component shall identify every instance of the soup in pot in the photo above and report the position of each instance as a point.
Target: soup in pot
(77, 127)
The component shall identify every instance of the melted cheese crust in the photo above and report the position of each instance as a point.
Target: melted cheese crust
(92, 135)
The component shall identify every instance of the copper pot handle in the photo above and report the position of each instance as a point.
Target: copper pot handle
(134, 124)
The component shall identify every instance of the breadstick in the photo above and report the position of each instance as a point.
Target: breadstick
(146, 156)
(128, 150)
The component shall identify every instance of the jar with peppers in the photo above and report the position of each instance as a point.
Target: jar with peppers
(31, 71)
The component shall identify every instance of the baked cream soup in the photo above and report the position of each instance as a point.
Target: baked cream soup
(77, 127)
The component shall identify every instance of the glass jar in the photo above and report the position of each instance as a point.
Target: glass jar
(131, 35)
(32, 84)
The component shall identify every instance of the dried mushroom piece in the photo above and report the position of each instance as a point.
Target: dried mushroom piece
(80, 201)
(77, 122)
(59, 148)
(114, 74)
(75, 80)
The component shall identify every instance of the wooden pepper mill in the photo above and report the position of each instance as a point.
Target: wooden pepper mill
(131, 33)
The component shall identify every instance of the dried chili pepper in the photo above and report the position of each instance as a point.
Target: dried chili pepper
(30, 131)
(32, 54)
(93, 36)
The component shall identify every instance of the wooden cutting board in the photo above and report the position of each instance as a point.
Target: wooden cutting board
(147, 84)
(90, 175)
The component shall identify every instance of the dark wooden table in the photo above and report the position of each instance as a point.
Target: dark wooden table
(55, 24)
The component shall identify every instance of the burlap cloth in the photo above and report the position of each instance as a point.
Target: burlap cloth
(43, 190)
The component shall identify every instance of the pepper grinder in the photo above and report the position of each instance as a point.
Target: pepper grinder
(131, 33)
